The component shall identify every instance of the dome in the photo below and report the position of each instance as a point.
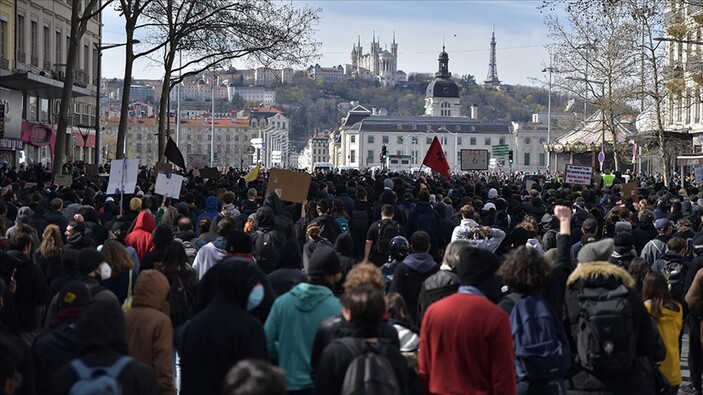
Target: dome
(441, 87)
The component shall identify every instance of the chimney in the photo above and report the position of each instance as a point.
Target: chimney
(474, 111)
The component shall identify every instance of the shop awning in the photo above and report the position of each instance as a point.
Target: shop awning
(39, 85)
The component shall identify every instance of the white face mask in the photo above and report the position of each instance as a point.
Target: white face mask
(105, 271)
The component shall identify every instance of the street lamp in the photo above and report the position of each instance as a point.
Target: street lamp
(456, 143)
(212, 118)
(98, 77)
(84, 130)
(549, 69)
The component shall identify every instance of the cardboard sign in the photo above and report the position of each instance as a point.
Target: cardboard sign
(163, 167)
(196, 161)
(630, 190)
(289, 185)
(168, 184)
(63, 180)
(123, 176)
(578, 175)
(210, 172)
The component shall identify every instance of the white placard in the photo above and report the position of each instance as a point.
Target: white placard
(123, 176)
(698, 172)
(168, 184)
(578, 175)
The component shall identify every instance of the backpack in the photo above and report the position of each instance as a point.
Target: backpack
(343, 223)
(387, 229)
(191, 250)
(328, 230)
(428, 221)
(370, 372)
(98, 380)
(266, 244)
(359, 221)
(180, 297)
(605, 339)
(675, 276)
(541, 348)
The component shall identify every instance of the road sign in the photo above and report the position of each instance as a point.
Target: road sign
(257, 143)
(500, 148)
(474, 159)
(601, 157)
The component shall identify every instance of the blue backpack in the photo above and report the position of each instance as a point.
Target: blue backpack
(98, 380)
(541, 348)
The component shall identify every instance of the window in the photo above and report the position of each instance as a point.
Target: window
(458, 141)
(542, 159)
(385, 139)
(443, 140)
(445, 110)
(47, 47)
(86, 59)
(472, 141)
(487, 141)
(369, 139)
(96, 59)
(3, 41)
(400, 139)
(369, 157)
(501, 141)
(399, 152)
(34, 44)
(353, 138)
(57, 48)
(428, 140)
(353, 156)
(20, 38)
(527, 159)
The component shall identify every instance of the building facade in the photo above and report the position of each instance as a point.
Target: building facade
(378, 63)
(252, 94)
(34, 41)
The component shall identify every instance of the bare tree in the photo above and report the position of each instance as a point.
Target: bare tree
(210, 33)
(79, 24)
(595, 51)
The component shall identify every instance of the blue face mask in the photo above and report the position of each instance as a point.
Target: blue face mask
(255, 297)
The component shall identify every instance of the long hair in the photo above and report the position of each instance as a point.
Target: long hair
(117, 257)
(51, 244)
(175, 259)
(170, 217)
(656, 290)
(397, 308)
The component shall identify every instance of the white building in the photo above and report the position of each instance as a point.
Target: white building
(318, 147)
(273, 128)
(358, 141)
(252, 94)
(327, 74)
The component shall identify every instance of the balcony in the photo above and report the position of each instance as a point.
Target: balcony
(80, 77)
(34, 61)
(21, 57)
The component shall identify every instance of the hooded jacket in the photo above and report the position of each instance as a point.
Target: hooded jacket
(102, 339)
(32, 290)
(210, 211)
(463, 230)
(289, 263)
(344, 246)
(209, 255)
(291, 326)
(149, 329)
(669, 326)
(140, 237)
(408, 278)
(224, 333)
(283, 224)
(161, 236)
(52, 350)
(606, 275)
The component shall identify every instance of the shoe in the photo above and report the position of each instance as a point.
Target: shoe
(689, 389)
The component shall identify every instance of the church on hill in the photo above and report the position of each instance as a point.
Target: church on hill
(379, 63)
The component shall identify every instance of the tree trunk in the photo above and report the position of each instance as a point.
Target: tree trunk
(164, 100)
(124, 109)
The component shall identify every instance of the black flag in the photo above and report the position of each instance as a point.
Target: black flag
(173, 154)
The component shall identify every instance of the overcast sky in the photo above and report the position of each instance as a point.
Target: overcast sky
(419, 26)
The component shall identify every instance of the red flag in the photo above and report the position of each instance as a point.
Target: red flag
(436, 160)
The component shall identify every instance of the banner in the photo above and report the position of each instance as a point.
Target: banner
(436, 160)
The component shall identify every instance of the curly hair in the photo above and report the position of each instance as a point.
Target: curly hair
(530, 225)
(525, 270)
(51, 244)
(170, 217)
(364, 274)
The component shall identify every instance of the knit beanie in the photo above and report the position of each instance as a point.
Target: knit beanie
(88, 260)
(598, 251)
(324, 261)
(135, 204)
(73, 294)
(476, 265)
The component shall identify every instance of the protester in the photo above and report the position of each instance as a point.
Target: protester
(252, 377)
(48, 255)
(140, 237)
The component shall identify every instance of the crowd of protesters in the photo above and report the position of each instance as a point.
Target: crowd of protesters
(384, 283)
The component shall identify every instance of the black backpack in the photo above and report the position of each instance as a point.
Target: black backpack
(370, 372)
(359, 221)
(675, 275)
(266, 244)
(180, 297)
(606, 342)
(387, 229)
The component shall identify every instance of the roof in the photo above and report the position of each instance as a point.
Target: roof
(442, 87)
(591, 132)
(434, 124)
(200, 122)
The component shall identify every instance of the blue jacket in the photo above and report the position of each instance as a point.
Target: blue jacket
(291, 327)
(209, 212)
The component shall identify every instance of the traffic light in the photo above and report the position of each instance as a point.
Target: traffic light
(510, 157)
(384, 152)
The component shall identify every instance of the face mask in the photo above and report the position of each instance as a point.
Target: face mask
(105, 271)
(255, 297)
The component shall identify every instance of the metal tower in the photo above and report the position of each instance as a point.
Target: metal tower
(492, 79)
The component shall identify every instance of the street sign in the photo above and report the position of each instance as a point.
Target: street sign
(474, 159)
(257, 143)
(601, 157)
(500, 148)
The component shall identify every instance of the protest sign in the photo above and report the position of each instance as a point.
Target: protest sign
(630, 190)
(163, 167)
(289, 185)
(63, 180)
(209, 172)
(123, 176)
(168, 184)
(578, 175)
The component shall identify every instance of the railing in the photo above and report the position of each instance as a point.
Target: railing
(81, 77)
(34, 61)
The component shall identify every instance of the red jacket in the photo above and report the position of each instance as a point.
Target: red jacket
(466, 348)
(140, 237)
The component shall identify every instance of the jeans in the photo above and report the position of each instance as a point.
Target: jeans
(554, 387)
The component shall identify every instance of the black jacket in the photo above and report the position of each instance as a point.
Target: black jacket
(436, 287)
(643, 234)
(51, 351)
(32, 290)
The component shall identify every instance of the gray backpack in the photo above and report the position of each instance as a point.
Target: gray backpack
(98, 380)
